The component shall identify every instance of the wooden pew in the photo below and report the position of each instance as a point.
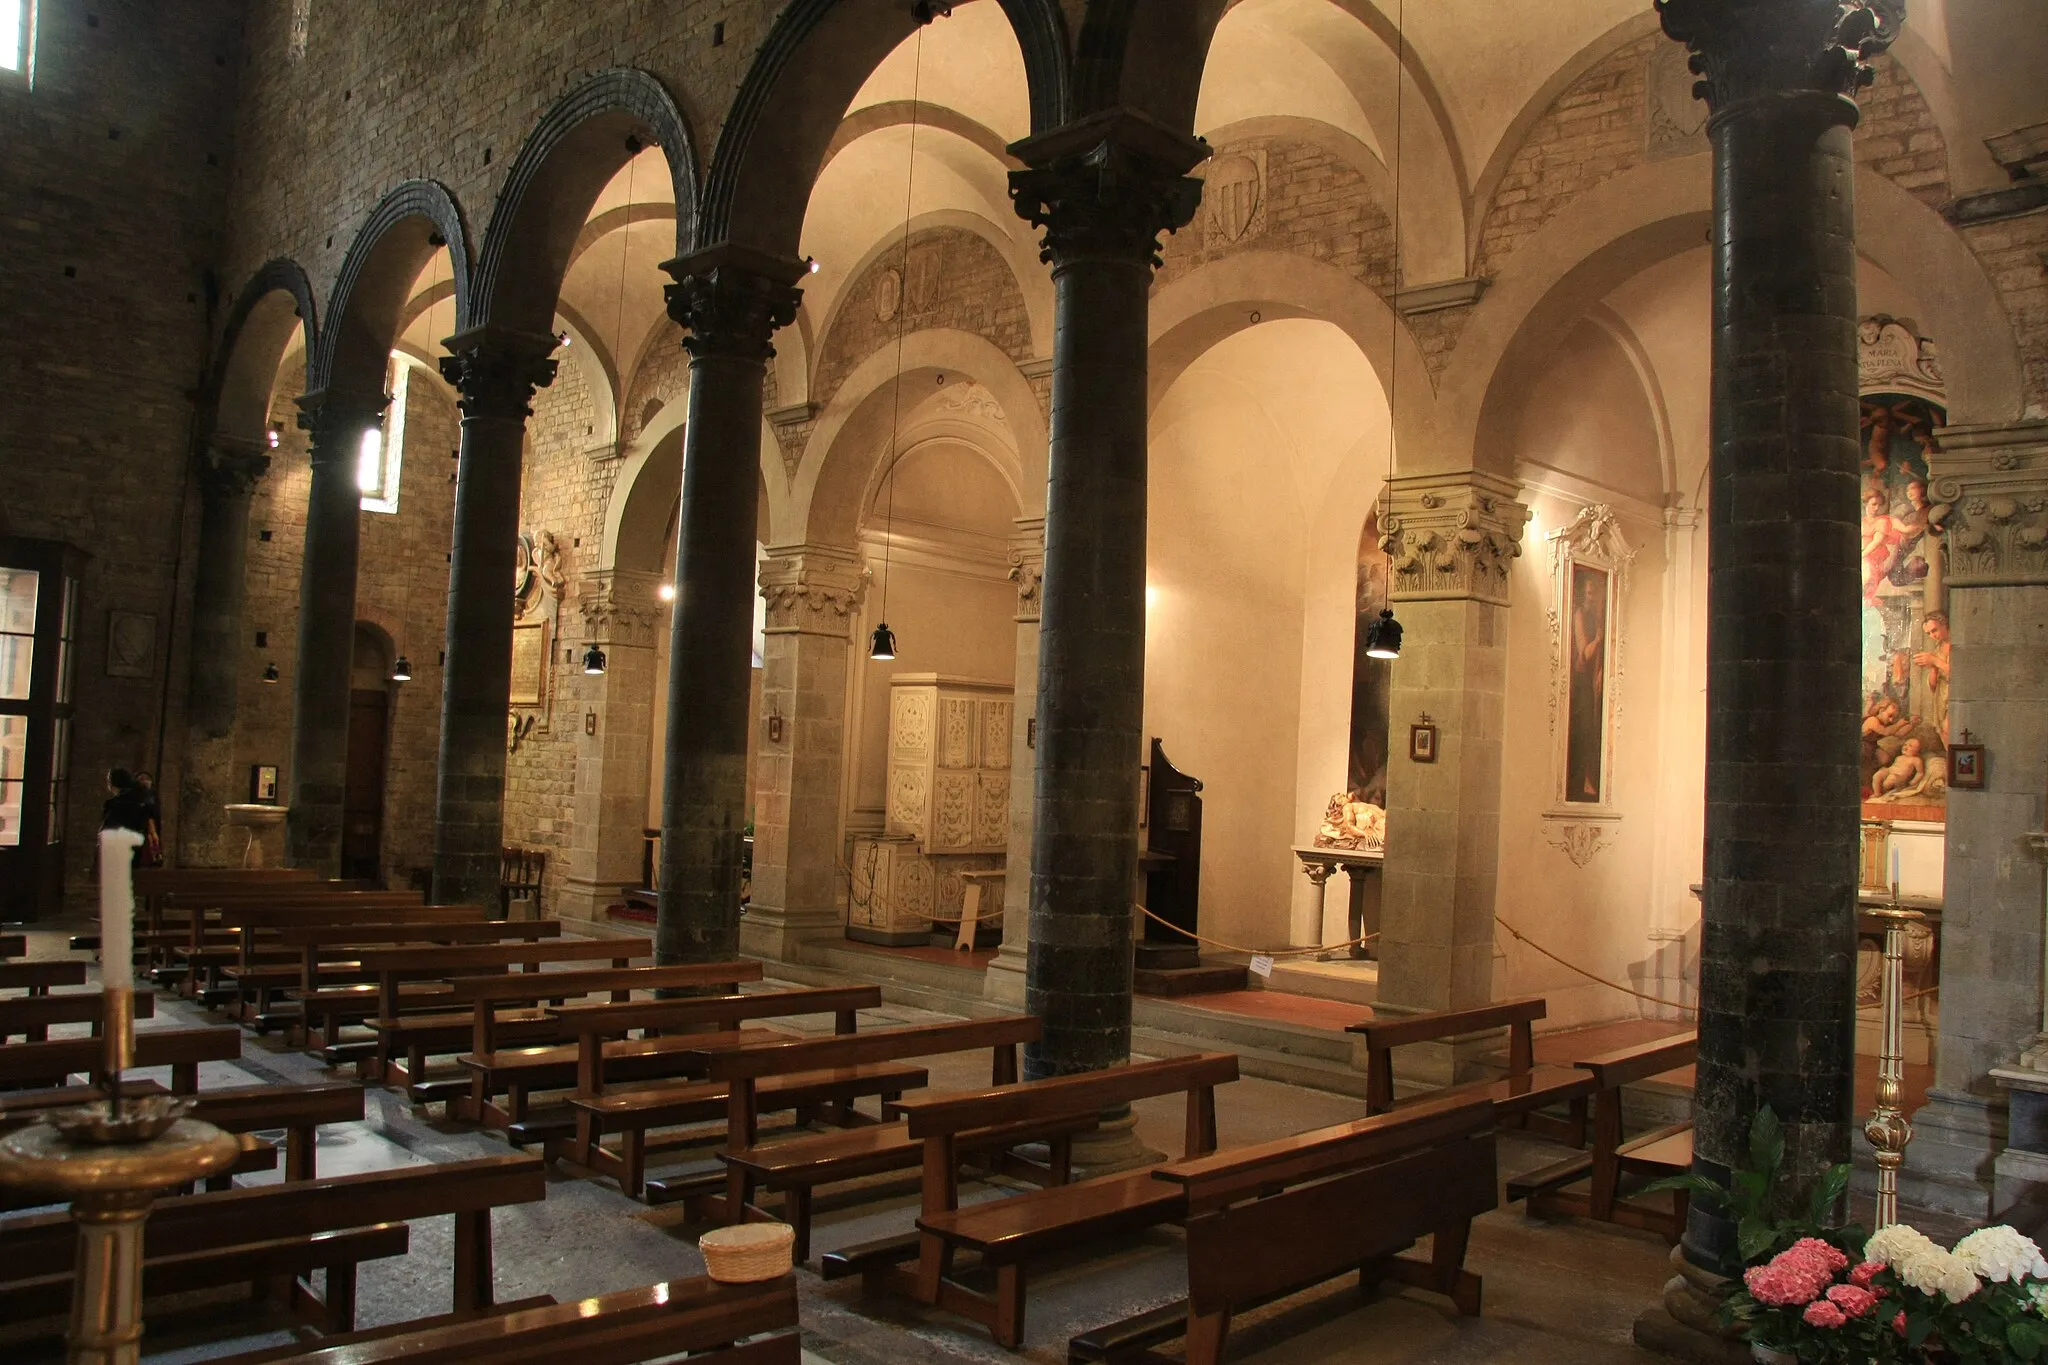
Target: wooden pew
(36, 978)
(1009, 1232)
(327, 952)
(181, 1049)
(1277, 1217)
(698, 1316)
(31, 1018)
(264, 1232)
(1661, 1152)
(1517, 1097)
(13, 945)
(153, 883)
(247, 918)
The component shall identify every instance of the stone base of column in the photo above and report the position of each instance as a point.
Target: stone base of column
(1114, 1146)
(1003, 983)
(586, 901)
(774, 934)
(1685, 1325)
(1951, 1165)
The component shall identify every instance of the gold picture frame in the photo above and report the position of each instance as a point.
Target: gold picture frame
(529, 663)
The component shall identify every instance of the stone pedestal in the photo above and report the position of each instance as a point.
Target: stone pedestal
(1993, 481)
(621, 612)
(258, 823)
(1003, 983)
(813, 594)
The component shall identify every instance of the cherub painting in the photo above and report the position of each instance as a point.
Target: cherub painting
(1905, 625)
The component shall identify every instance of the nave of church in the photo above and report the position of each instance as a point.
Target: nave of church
(1418, 619)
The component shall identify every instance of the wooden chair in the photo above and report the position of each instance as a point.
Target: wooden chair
(1517, 1097)
(521, 872)
(1271, 1219)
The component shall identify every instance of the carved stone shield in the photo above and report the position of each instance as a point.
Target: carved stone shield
(1234, 191)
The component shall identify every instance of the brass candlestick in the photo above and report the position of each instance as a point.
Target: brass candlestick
(1889, 1130)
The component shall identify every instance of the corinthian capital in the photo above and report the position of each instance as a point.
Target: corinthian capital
(1452, 535)
(1743, 49)
(336, 422)
(1107, 186)
(732, 300)
(812, 590)
(496, 370)
(230, 466)
(1991, 495)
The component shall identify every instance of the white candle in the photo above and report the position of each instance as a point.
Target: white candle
(1895, 867)
(117, 907)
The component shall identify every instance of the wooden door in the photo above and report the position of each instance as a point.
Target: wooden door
(362, 801)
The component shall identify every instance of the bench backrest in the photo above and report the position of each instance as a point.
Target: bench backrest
(719, 1010)
(186, 1047)
(453, 961)
(73, 1007)
(1087, 1093)
(530, 986)
(285, 897)
(1382, 1036)
(205, 1222)
(41, 975)
(380, 932)
(246, 1108)
(151, 881)
(782, 1056)
(382, 910)
(1625, 1066)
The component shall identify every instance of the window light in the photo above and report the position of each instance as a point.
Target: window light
(370, 462)
(17, 34)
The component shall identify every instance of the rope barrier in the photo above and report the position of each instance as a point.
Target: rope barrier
(1256, 952)
(1599, 980)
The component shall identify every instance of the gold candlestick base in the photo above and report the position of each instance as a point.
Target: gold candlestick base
(111, 1187)
(1888, 1129)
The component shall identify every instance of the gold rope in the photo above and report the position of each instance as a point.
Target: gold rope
(1600, 980)
(1256, 952)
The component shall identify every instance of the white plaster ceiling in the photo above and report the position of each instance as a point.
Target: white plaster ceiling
(970, 64)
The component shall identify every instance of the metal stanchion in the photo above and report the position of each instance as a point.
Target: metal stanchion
(1888, 1129)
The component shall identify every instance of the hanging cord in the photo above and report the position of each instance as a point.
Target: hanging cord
(902, 325)
(1598, 980)
(1394, 314)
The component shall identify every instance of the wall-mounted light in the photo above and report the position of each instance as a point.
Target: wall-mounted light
(401, 672)
(775, 725)
(593, 660)
(666, 592)
(275, 435)
(882, 647)
(811, 264)
(562, 340)
(1383, 636)
(270, 673)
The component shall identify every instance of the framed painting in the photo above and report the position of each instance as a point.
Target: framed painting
(1589, 574)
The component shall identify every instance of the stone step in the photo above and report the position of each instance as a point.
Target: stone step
(1169, 982)
(1355, 983)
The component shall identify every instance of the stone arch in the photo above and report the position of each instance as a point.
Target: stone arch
(825, 501)
(641, 510)
(277, 301)
(578, 146)
(789, 107)
(1146, 55)
(402, 233)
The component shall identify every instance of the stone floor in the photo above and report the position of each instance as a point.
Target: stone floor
(1565, 1292)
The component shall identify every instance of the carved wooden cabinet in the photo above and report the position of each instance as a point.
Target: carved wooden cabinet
(949, 762)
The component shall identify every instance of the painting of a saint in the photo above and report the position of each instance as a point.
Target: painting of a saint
(1586, 684)
(1905, 622)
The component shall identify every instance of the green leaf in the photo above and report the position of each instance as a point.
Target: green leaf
(1755, 1235)
(1918, 1325)
(1766, 1144)
(1827, 1192)
(2025, 1338)
(1694, 1184)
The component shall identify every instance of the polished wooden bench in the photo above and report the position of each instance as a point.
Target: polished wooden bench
(203, 958)
(36, 978)
(1009, 1232)
(699, 1316)
(13, 945)
(1518, 1097)
(1615, 1156)
(1274, 1218)
(180, 1049)
(266, 1232)
(32, 1018)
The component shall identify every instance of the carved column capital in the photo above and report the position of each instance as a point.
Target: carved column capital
(336, 422)
(229, 466)
(621, 607)
(1027, 566)
(1107, 186)
(1991, 494)
(731, 300)
(812, 590)
(1452, 536)
(1749, 49)
(495, 370)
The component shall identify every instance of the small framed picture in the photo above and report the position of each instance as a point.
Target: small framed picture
(263, 784)
(1422, 743)
(1966, 767)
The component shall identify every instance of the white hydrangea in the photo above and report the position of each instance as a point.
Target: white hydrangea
(1958, 1281)
(1999, 1254)
(1897, 1243)
(2037, 1294)
(1931, 1270)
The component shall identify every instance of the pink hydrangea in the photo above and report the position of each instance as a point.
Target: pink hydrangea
(1817, 1252)
(1852, 1299)
(1822, 1313)
(1863, 1274)
(1795, 1275)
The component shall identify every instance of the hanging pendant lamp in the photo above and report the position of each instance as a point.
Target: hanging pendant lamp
(593, 660)
(401, 672)
(882, 645)
(1383, 634)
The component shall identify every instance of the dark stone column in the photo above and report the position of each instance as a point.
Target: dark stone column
(327, 625)
(1778, 952)
(731, 299)
(1103, 190)
(495, 371)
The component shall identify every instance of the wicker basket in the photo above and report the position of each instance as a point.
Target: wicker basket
(748, 1252)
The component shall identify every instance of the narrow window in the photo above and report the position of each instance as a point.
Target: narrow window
(383, 449)
(18, 36)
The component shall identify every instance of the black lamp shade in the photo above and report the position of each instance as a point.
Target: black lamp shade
(593, 660)
(270, 673)
(1383, 636)
(402, 670)
(882, 646)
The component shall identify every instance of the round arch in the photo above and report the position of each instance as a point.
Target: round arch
(582, 141)
(643, 500)
(402, 233)
(789, 107)
(276, 302)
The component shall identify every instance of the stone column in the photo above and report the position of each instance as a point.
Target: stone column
(813, 594)
(731, 299)
(1993, 483)
(327, 625)
(622, 611)
(1451, 540)
(1102, 189)
(1777, 1018)
(495, 371)
(228, 470)
(1004, 980)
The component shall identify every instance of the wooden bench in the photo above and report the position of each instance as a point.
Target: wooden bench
(32, 1018)
(266, 1232)
(699, 1316)
(601, 1055)
(1277, 1217)
(327, 952)
(795, 1167)
(1009, 1232)
(180, 1049)
(259, 918)
(1661, 1152)
(1517, 1097)
(13, 945)
(36, 978)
